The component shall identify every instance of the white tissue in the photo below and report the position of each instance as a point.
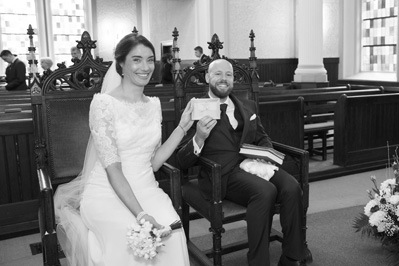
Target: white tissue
(259, 167)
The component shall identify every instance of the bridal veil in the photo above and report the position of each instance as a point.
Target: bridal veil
(71, 231)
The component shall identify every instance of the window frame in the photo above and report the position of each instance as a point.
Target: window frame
(44, 21)
(350, 52)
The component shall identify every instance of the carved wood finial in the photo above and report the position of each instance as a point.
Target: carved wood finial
(135, 31)
(175, 34)
(252, 63)
(215, 44)
(85, 43)
(34, 80)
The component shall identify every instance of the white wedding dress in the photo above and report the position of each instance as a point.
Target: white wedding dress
(128, 133)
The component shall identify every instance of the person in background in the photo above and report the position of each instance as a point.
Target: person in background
(167, 77)
(202, 58)
(46, 63)
(15, 71)
(220, 141)
(76, 54)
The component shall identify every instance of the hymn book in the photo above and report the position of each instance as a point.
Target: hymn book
(260, 152)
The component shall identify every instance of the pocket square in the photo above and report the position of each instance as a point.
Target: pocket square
(252, 117)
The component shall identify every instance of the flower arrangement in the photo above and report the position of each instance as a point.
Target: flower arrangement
(143, 239)
(381, 214)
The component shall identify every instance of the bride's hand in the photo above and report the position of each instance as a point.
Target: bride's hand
(152, 221)
(165, 230)
(185, 121)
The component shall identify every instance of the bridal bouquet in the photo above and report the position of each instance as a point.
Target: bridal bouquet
(381, 214)
(143, 239)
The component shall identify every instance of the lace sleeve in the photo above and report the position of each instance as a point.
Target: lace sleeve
(102, 130)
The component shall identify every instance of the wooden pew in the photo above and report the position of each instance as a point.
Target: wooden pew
(286, 91)
(26, 114)
(283, 121)
(18, 180)
(318, 112)
(165, 93)
(8, 108)
(363, 127)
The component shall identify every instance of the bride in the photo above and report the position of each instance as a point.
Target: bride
(117, 186)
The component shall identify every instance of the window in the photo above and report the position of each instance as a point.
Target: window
(379, 35)
(14, 22)
(68, 21)
(64, 20)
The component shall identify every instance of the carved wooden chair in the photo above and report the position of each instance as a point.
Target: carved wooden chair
(217, 211)
(61, 129)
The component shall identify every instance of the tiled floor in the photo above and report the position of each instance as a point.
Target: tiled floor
(325, 195)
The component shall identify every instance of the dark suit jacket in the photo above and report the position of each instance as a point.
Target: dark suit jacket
(16, 75)
(215, 149)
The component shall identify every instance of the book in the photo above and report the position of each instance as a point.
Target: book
(205, 106)
(260, 152)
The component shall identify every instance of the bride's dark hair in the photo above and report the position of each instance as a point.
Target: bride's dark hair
(126, 45)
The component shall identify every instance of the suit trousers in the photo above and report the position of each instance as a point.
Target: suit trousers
(259, 196)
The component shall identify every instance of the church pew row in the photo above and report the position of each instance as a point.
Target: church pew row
(363, 127)
(319, 113)
(18, 180)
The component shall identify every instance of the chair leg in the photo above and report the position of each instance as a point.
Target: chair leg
(308, 258)
(324, 145)
(217, 245)
(310, 144)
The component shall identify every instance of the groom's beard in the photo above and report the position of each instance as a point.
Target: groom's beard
(218, 93)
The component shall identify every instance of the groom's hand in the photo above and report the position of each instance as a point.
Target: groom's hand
(204, 128)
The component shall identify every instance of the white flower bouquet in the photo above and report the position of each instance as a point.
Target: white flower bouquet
(381, 214)
(143, 239)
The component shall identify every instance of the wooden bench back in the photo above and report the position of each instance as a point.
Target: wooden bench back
(363, 127)
(283, 121)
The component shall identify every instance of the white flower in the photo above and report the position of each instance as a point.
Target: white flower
(369, 205)
(386, 185)
(143, 240)
(394, 199)
(377, 218)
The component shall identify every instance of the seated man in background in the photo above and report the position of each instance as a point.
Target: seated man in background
(85, 74)
(15, 71)
(220, 141)
(46, 63)
(76, 54)
(202, 58)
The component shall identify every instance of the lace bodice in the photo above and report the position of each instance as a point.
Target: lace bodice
(125, 131)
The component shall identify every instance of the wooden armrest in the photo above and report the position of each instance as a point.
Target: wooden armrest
(46, 203)
(215, 171)
(295, 152)
(303, 157)
(44, 180)
(175, 185)
(47, 219)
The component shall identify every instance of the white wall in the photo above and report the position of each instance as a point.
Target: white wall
(164, 16)
(273, 23)
(114, 19)
(331, 29)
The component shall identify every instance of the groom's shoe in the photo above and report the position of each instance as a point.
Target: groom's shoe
(284, 261)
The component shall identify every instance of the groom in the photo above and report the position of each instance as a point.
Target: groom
(220, 141)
